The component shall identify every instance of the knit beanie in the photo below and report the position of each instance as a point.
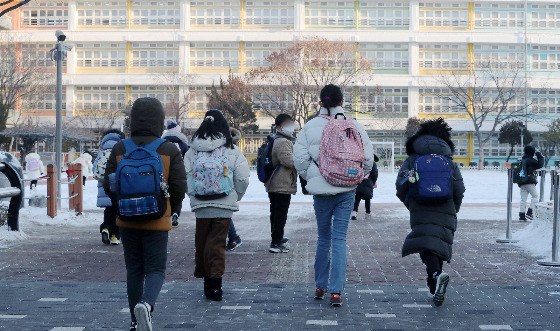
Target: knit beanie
(172, 126)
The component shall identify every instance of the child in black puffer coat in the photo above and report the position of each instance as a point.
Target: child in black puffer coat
(364, 191)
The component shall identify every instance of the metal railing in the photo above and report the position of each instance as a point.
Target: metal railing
(555, 261)
(508, 238)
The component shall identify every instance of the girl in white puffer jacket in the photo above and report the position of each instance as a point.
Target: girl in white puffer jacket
(333, 205)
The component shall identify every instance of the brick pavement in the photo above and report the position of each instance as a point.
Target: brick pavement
(492, 284)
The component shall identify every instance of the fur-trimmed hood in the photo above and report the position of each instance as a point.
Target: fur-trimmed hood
(175, 134)
(110, 140)
(235, 135)
(207, 144)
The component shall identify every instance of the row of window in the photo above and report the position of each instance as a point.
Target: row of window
(317, 14)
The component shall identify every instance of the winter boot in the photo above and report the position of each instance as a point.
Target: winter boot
(522, 217)
(529, 214)
(175, 219)
(441, 288)
(207, 287)
(215, 289)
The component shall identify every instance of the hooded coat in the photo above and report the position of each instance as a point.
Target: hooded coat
(532, 166)
(37, 173)
(433, 226)
(85, 161)
(222, 207)
(284, 178)
(306, 153)
(365, 189)
(146, 124)
(177, 138)
(108, 142)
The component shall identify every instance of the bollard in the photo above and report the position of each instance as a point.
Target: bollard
(543, 180)
(78, 192)
(508, 238)
(51, 190)
(554, 262)
(552, 174)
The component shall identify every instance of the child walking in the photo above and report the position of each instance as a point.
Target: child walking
(234, 240)
(109, 230)
(217, 177)
(333, 204)
(433, 213)
(145, 240)
(35, 169)
(364, 191)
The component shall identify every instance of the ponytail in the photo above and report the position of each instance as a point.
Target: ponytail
(331, 96)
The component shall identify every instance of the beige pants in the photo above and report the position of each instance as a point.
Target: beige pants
(525, 191)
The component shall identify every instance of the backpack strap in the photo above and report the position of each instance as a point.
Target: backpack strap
(154, 145)
(129, 146)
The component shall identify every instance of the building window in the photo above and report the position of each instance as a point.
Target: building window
(499, 56)
(274, 13)
(162, 93)
(384, 14)
(45, 16)
(545, 16)
(39, 55)
(220, 55)
(449, 15)
(110, 98)
(545, 102)
(443, 56)
(101, 55)
(383, 100)
(91, 13)
(545, 57)
(433, 101)
(385, 56)
(156, 13)
(329, 14)
(45, 101)
(256, 53)
(499, 15)
(226, 13)
(155, 55)
(199, 97)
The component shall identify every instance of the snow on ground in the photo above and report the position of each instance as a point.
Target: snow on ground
(536, 239)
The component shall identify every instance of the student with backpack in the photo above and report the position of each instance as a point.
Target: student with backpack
(234, 240)
(145, 178)
(430, 185)
(109, 229)
(282, 182)
(364, 191)
(331, 153)
(174, 135)
(217, 178)
(525, 176)
(34, 167)
(87, 167)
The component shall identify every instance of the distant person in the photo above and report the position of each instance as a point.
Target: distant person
(430, 185)
(234, 240)
(35, 169)
(528, 183)
(110, 233)
(213, 155)
(282, 184)
(144, 237)
(174, 135)
(87, 166)
(364, 191)
(332, 156)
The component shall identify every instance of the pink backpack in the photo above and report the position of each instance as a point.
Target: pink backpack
(33, 165)
(341, 154)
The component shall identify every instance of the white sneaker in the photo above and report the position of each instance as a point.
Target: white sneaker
(143, 317)
(368, 216)
(354, 215)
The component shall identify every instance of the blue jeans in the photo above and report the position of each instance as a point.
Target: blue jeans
(333, 215)
(231, 233)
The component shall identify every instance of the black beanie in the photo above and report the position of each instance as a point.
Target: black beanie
(529, 150)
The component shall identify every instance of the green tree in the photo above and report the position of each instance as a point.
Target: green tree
(551, 140)
(233, 99)
(510, 133)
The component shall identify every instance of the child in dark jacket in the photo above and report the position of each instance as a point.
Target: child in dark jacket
(433, 224)
(364, 191)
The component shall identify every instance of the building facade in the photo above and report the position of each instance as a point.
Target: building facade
(124, 49)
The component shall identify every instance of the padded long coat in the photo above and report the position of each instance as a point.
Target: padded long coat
(433, 226)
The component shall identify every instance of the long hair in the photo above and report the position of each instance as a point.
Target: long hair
(331, 96)
(214, 126)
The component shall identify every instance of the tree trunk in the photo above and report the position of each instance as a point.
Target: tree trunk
(510, 152)
(480, 155)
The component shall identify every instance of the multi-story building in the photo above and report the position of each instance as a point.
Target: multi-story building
(121, 46)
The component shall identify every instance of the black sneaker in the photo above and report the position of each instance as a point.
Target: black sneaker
(174, 220)
(233, 244)
(278, 248)
(133, 326)
(143, 317)
(105, 236)
(284, 241)
(529, 214)
(522, 217)
(441, 288)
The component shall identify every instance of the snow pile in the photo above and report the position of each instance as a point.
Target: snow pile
(536, 239)
(38, 216)
(7, 236)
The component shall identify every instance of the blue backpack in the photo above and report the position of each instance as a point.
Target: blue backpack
(265, 169)
(142, 188)
(431, 179)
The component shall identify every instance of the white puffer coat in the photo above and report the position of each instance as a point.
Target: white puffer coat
(306, 150)
(85, 161)
(238, 164)
(37, 173)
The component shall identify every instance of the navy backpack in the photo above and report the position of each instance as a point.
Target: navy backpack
(141, 185)
(265, 169)
(431, 179)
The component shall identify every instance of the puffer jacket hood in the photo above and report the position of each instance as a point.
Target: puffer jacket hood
(32, 156)
(207, 144)
(110, 140)
(235, 135)
(175, 137)
(428, 144)
(147, 117)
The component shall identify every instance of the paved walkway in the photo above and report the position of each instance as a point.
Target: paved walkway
(64, 277)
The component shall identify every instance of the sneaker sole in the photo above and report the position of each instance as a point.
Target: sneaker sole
(336, 304)
(441, 288)
(142, 318)
(105, 238)
(115, 244)
(234, 248)
(277, 251)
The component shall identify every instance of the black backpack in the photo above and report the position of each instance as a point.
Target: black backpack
(265, 169)
(520, 175)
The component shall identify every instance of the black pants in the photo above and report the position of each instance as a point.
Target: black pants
(279, 205)
(110, 221)
(84, 180)
(434, 267)
(145, 256)
(33, 184)
(367, 202)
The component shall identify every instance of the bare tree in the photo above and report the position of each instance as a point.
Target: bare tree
(551, 141)
(487, 95)
(19, 78)
(293, 77)
(180, 102)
